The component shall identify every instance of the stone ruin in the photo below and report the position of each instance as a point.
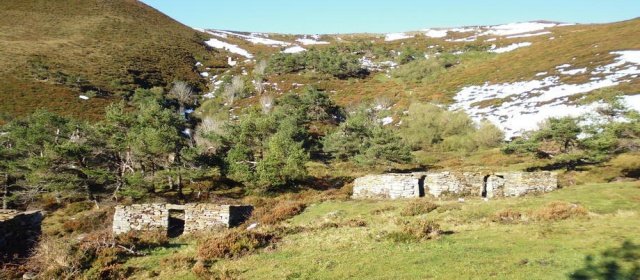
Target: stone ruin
(178, 219)
(19, 233)
(436, 184)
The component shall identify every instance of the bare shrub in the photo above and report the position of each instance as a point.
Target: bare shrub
(258, 75)
(206, 132)
(55, 258)
(96, 255)
(260, 68)
(183, 93)
(233, 90)
(266, 103)
(559, 210)
(382, 103)
(259, 85)
(418, 207)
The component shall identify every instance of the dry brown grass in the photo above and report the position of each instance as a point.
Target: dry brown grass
(507, 216)
(232, 244)
(204, 272)
(418, 207)
(412, 231)
(383, 210)
(54, 258)
(283, 210)
(559, 210)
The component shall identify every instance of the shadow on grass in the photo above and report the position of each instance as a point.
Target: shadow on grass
(615, 263)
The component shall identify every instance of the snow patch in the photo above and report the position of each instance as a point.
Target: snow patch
(632, 101)
(294, 49)
(214, 43)
(573, 71)
(511, 47)
(373, 66)
(386, 121)
(307, 41)
(396, 36)
(231, 62)
(468, 39)
(254, 38)
(435, 33)
(464, 29)
(517, 28)
(529, 35)
(628, 56)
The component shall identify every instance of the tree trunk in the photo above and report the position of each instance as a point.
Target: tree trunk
(179, 182)
(170, 178)
(5, 197)
(115, 192)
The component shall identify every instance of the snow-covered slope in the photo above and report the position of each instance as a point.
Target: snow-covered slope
(521, 106)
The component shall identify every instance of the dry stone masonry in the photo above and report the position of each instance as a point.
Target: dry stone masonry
(19, 232)
(387, 186)
(499, 184)
(192, 217)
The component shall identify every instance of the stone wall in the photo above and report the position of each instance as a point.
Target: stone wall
(392, 186)
(197, 217)
(140, 217)
(388, 186)
(19, 232)
(521, 183)
(453, 183)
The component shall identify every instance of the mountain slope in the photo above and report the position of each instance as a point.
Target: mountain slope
(516, 75)
(53, 51)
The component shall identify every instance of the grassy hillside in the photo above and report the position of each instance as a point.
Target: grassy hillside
(53, 51)
(478, 241)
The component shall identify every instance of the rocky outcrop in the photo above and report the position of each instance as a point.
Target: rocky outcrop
(436, 184)
(192, 217)
(19, 232)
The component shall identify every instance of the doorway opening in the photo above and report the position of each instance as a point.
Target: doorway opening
(484, 186)
(421, 186)
(176, 223)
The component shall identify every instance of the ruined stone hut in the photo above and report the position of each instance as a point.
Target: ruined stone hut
(178, 219)
(19, 232)
(436, 184)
